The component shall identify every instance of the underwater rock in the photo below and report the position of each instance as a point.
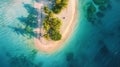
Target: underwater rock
(100, 14)
(109, 6)
(100, 2)
(102, 8)
(69, 56)
(40, 64)
(104, 50)
(21, 61)
(91, 10)
(101, 42)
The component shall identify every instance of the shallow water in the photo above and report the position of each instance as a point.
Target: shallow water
(91, 45)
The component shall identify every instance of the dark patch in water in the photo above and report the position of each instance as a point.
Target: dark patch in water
(22, 61)
(26, 20)
(18, 30)
(104, 50)
(29, 22)
(74, 63)
(69, 56)
(103, 56)
(32, 54)
(114, 61)
(101, 42)
(40, 64)
(30, 9)
(21, 31)
(100, 14)
(94, 16)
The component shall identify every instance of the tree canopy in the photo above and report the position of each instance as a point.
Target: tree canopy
(59, 5)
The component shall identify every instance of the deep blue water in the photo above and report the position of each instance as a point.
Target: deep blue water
(91, 44)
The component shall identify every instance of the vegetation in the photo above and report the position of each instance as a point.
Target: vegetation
(46, 9)
(52, 27)
(46, 36)
(55, 35)
(48, 12)
(59, 5)
(51, 24)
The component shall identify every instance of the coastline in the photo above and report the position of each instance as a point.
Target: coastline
(70, 13)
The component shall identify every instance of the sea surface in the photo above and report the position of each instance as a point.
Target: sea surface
(90, 45)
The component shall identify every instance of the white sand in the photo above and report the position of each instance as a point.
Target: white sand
(70, 14)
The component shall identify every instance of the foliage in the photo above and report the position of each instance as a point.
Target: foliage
(52, 26)
(51, 14)
(46, 36)
(59, 5)
(46, 9)
(46, 24)
(55, 35)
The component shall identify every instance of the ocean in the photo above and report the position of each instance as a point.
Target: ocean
(91, 44)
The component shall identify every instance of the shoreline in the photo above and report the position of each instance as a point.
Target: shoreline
(53, 46)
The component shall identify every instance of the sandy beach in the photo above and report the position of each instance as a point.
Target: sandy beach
(69, 19)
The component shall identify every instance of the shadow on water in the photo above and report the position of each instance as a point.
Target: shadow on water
(30, 9)
(104, 49)
(23, 20)
(114, 61)
(22, 31)
(37, 0)
(23, 61)
(29, 22)
(26, 20)
(105, 58)
(69, 56)
(18, 30)
(72, 62)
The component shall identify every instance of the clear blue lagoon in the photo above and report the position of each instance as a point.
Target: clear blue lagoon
(90, 45)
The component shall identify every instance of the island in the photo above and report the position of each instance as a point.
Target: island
(56, 20)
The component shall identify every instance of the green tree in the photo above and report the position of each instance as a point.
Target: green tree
(55, 35)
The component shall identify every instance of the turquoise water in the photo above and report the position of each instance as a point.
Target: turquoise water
(91, 45)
